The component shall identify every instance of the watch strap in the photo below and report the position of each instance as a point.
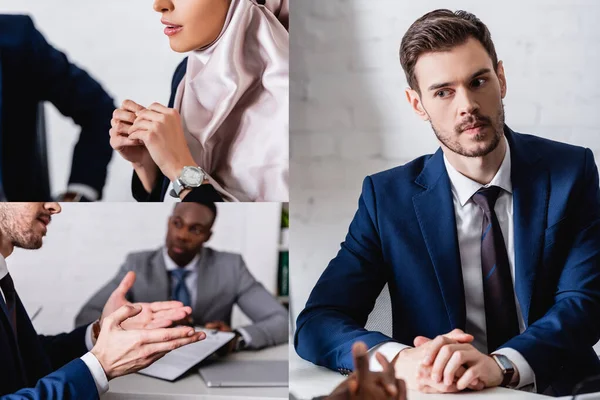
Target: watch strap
(508, 371)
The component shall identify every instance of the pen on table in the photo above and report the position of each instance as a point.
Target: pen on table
(37, 312)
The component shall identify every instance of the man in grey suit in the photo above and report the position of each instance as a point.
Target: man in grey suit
(209, 281)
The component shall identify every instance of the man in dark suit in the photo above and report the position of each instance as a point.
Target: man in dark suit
(496, 234)
(209, 281)
(31, 72)
(78, 365)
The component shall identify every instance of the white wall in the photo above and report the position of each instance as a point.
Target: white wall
(87, 243)
(349, 116)
(122, 45)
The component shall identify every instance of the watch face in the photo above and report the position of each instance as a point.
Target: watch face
(192, 176)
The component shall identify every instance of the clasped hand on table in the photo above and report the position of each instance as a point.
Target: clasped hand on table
(448, 363)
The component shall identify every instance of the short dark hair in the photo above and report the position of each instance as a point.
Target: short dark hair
(441, 30)
(207, 203)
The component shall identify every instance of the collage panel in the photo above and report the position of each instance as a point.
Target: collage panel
(144, 100)
(445, 199)
(117, 276)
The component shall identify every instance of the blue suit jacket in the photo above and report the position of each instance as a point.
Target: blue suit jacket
(26, 366)
(32, 71)
(404, 234)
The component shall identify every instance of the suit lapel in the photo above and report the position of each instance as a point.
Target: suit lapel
(530, 202)
(159, 285)
(434, 208)
(204, 287)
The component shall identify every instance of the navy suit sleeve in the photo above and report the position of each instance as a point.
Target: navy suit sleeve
(73, 381)
(341, 301)
(571, 324)
(75, 94)
(64, 348)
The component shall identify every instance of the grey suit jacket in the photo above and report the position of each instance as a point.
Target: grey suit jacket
(223, 280)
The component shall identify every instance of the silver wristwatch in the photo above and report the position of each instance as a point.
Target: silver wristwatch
(191, 177)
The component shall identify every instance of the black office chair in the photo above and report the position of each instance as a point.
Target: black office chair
(41, 154)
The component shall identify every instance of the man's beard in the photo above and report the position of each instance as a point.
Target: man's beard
(24, 238)
(497, 126)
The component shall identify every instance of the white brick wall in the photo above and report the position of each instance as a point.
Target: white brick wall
(349, 117)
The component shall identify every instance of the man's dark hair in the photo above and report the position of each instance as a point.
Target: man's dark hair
(207, 203)
(441, 30)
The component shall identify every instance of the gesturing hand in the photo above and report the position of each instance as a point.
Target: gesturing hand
(121, 352)
(365, 384)
(160, 129)
(152, 315)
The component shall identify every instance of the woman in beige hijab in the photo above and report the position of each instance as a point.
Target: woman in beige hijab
(225, 132)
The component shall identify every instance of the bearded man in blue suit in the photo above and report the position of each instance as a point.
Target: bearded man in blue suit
(490, 247)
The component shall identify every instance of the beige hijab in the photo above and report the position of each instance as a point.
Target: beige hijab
(235, 107)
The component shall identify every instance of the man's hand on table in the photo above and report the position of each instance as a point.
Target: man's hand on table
(446, 362)
(223, 327)
(412, 364)
(365, 384)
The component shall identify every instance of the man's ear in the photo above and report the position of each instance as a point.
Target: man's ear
(501, 78)
(414, 99)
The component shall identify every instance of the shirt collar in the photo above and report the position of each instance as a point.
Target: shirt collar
(171, 266)
(3, 267)
(464, 188)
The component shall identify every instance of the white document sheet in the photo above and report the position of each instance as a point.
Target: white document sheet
(179, 361)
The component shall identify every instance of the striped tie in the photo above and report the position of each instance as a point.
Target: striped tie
(8, 288)
(500, 309)
(181, 292)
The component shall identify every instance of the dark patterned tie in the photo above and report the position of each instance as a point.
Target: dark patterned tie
(181, 292)
(8, 288)
(500, 309)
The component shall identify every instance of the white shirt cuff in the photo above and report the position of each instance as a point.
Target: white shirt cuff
(97, 372)
(389, 351)
(526, 374)
(245, 335)
(88, 337)
(83, 190)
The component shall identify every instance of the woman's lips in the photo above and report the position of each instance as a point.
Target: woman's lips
(173, 30)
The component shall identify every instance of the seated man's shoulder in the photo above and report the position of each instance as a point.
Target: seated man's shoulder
(140, 259)
(15, 30)
(403, 176)
(550, 151)
(227, 258)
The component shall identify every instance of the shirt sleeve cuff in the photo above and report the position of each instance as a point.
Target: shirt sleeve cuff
(83, 190)
(245, 335)
(389, 351)
(88, 337)
(526, 374)
(97, 372)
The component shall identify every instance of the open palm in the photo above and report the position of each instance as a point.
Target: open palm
(160, 314)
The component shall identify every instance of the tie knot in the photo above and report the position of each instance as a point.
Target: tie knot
(179, 274)
(7, 285)
(486, 198)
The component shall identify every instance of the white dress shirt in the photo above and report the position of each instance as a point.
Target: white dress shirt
(469, 221)
(191, 282)
(89, 359)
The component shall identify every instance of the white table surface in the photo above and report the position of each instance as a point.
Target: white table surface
(308, 380)
(192, 387)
